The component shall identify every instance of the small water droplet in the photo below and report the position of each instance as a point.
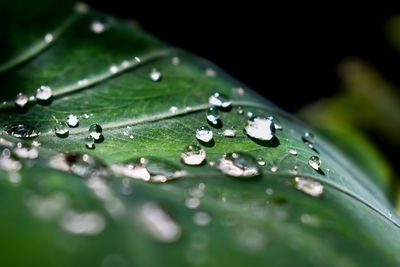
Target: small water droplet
(137, 59)
(229, 133)
(293, 152)
(85, 223)
(44, 93)
(239, 164)
(83, 82)
(173, 110)
(89, 142)
(239, 111)
(219, 100)
(315, 162)
(155, 75)
(204, 134)
(261, 163)
(175, 61)
(210, 72)
(260, 128)
(97, 27)
(72, 120)
(21, 100)
(201, 218)
(250, 114)
(113, 69)
(95, 131)
(277, 123)
(269, 191)
(272, 166)
(213, 115)
(48, 38)
(125, 63)
(192, 203)
(309, 138)
(193, 155)
(22, 131)
(309, 186)
(239, 90)
(61, 129)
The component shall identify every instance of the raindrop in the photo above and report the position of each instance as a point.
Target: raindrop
(72, 120)
(201, 218)
(155, 75)
(260, 128)
(44, 93)
(193, 155)
(272, 166)
(22, 131)
(213, 115)
(21, 100)
(309, 138)
(86, 223)
(293, 152)
(95, 131)
(219, 100)
(239, 164)
(204, 134)
(315, 162)
(277, 123)
(48, 38)
(309, 186)
(89, 142)
(97, 27)
(61, 129)
(229, 133)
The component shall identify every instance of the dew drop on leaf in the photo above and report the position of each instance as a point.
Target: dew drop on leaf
(72, 120)
(175, 61)
(95, 131)
(309, 138)
(309, 186)
(48, 38)
(22, 131)
(260, 128)
(239, 164)
(155, 75)
(204, 134)
(85, 223)
(229, 133)
(315, 162)
(97, 27)
(113, 69)
(192, 202)
(193, 155)
(8, 163)
(219, 100)
(61, 129)
(293, 152)
(213, 115)
(21, 100)
(239, 111)
(201, 218)
(89, 142)
(26, 152)
(44, 93)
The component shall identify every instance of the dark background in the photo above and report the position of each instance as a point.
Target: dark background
(288, 53)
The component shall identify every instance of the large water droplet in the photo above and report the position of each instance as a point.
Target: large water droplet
(61, 129)
(22, 131)
(72, 120)
(193, 155)
(89, 142)
(155, 75)
(219, 100)
(204, 134)
(239, 164)
(315, 162)
(148, 169)
(95, 131)
(44, 93)
(309, 138)
(213, 115)
(309, 186)
(21, 100)
(260, 128)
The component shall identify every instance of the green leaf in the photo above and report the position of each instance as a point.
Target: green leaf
(88, 215)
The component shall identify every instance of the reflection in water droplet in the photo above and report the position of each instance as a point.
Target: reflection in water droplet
(85, 223)
(277, 123)
(272, 166)
(293, 152)
(315, 162)
(155, 75)
(229, 133)
(97, 27)
(44, 93)
(213, 115)
(309, 138)
(48, 38)
(148, 169)
(95, 131)
(22, 131)
(89, 142)
(72, 120)
(193, 155)
(309, 186)
(260, 128)
(21, 100)
(219, 100)
(61, 129)
(201, 218)
(204, 134)
(159, 223)
(239, 164)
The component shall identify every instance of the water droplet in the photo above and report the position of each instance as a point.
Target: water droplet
(210, 72)
(193, 155)
(137, 59)
(95, 131)
(309, 186)
(213, 115)
(219, 100)
(315, 162)
(97, 27)
(72, 120)
(148, 169)
(155, 75)
(89, 142)
(8, 163)
(61, 129)
(293, 152)
(260, 128)
(201, 218)
(173, 110)
(239, 164)
(309, 138)
(311, 220)
(192, 203)
(113, 69)
(261, 163)
(44, 93)
(272, 166)
(159, 223)
(204, 134)
(22, 131)
(229, 133)
(85, 223)
(269, 191)
(175, 61)
(125, 63)
(21, 100)
(48, 38)
(83, 82)
(81, 8)
(26, 153)
(239, 111)
(277, 123)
